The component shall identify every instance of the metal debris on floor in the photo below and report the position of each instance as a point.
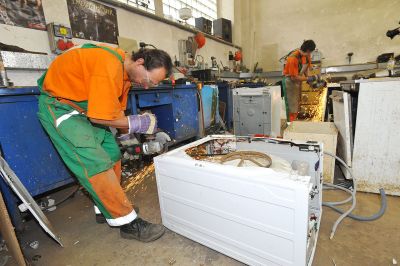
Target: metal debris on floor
(34, 244)
(172, 261)
(36, 257)
(3, 245)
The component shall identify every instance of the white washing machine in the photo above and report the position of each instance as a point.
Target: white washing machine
(255, 214)
(257, 111)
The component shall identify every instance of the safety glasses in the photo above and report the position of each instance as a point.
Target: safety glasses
(147, 81)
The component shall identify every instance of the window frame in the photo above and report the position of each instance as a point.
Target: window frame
(200, 8)
(136, 4)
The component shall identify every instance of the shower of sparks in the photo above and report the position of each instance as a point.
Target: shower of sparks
(137, 180)
(314, 108)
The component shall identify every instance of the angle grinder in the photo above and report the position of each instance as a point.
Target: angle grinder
(318, 84)
(154, 144)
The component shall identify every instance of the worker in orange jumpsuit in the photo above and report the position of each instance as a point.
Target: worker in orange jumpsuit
(296, 70)
(83, 93)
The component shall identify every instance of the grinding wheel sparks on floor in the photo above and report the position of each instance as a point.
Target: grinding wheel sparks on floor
(139, 178)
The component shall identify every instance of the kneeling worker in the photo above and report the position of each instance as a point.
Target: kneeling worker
(296, 70)
(83, 93)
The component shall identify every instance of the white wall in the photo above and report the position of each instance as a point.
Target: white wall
(225, 9)
(130, 25)
(243, 30)
(337, 27)
(166, 37)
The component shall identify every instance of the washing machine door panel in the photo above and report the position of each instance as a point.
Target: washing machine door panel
(250, 115)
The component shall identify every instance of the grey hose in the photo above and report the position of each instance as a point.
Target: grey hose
(362, 218)
(351, 198)
(353, 195)
(332, 187)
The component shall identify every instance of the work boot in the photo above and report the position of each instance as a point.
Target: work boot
(142, 230)
(100, 219)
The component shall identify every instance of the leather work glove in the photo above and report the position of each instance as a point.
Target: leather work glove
(142, 124)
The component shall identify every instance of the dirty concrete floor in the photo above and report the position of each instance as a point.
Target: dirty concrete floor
(88, 243)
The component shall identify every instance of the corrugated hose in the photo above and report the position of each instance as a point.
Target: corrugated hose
(352, 198)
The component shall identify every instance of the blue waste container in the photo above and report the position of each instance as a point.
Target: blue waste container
(26, 147)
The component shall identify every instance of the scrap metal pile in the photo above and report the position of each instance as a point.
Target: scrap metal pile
(224, 151)
(212, 151)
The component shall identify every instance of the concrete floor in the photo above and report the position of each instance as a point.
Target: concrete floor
(88, 243)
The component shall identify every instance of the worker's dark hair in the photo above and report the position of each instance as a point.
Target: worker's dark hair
(154, 58)
(308, 46)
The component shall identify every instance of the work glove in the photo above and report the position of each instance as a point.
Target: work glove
(313, 78)
(142, 124)
(320, 84)
(127, 140)
(163, 139)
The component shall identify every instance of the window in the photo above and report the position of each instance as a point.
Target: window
(146, 5)
(200, 8)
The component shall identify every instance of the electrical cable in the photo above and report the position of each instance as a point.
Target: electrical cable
(352, 198)
(143, 45)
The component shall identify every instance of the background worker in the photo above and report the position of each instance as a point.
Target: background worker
(296, 70)
(83, 93)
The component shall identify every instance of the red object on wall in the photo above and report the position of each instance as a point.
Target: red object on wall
(238, 56)
(200, 39)
(61, 45)
(70, 44)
